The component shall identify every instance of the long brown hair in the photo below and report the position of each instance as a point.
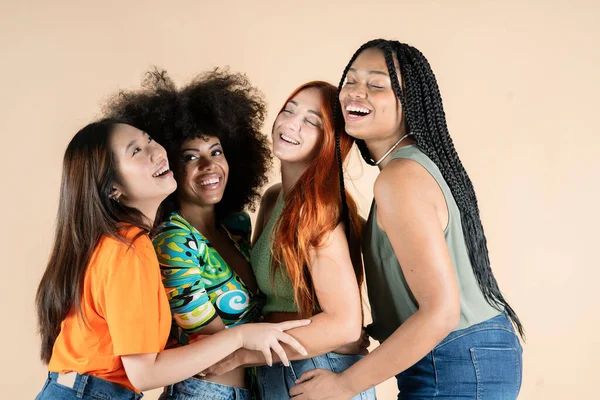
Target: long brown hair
(314, 207)
(85, 214)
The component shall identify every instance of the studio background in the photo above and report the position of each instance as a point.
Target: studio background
(520, 87)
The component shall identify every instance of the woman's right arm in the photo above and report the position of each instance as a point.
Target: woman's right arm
(131, 301)
(154, 370)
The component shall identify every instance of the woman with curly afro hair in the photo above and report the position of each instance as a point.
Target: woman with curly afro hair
(211, 130)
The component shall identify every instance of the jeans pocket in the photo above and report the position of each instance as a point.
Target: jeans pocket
(498, 371)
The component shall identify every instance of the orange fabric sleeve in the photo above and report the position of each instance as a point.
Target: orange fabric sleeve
(131, 303)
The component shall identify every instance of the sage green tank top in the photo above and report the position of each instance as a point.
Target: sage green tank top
(392, 301)
(279, 292)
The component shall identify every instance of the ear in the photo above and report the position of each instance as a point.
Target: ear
(115, 193)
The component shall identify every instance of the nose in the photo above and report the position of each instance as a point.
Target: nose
(357, 91)
(157, 153)
(205, 164)
(295, 122)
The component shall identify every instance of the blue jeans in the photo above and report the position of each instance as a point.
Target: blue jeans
(198, 389)
(86, 387)
(274, 383)
(483, 361)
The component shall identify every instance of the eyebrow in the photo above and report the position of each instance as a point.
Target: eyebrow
(318, 114)
(134, 141)
(375, 72)
(198, 150)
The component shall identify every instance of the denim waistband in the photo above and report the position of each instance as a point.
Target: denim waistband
(88, 384)
(500, 321)
(195, 386)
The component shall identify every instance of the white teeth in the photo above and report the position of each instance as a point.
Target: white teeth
(288, 139)
(358, 109)
(211, 181)
(160, 171)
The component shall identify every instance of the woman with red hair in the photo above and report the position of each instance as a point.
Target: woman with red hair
(306, 254)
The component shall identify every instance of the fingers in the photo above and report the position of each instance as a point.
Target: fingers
(268, 356)
(281, 353)
(284, 326)
(296, 392)
(308, 375)
(291, 341)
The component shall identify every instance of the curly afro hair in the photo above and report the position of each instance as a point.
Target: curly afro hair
(215, 103)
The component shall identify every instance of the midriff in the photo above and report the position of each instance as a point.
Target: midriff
(235, 378)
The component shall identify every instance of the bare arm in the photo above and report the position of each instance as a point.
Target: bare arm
(335, 284)
(413, 217)
(153, 370)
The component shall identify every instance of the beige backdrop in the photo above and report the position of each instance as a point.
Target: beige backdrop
(520, 85)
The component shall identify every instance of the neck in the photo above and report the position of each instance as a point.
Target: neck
(378, 147)
(290, 174)
(148, 211)
(201, 217)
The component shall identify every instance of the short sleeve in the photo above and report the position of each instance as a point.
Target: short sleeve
(131, 298)
(179, 251)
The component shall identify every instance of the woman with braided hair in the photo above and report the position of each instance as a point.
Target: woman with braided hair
(444, 326)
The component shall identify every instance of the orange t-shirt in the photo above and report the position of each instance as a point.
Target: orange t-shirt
(125, 307)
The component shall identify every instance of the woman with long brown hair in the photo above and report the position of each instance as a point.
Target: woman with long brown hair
(306, 254)
(103, 313)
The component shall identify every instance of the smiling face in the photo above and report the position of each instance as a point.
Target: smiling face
(203, 172)
(143, 176)
(370, 106)
(299, 127)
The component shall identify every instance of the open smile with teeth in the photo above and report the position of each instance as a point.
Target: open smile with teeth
(161, 171)
(358, 111)
(209, 181)
(288, 139)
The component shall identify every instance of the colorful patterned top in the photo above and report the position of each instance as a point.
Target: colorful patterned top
(200, 285)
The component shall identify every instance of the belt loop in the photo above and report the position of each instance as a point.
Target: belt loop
(170, 390)
(291, 367)
(81, 385)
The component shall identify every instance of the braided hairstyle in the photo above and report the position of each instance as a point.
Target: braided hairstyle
(422, 105)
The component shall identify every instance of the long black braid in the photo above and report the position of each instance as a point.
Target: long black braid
(422, 106)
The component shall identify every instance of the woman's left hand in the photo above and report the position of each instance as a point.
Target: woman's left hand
(320, 384)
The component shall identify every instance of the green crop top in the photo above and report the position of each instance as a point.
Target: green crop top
(279, 291)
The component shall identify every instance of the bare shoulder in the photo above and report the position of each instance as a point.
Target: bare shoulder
(270, 196)
(268, 201)
(404, 180)
(335, 239)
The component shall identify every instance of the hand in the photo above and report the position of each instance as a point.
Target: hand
(320, 384)
(265, 337)
(358, 347)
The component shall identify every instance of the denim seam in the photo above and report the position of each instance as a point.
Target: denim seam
(486, 328)
(477, 374)
(82, 384)
(435, 374)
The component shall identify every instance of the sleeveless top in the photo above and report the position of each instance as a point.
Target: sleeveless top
(279, 291)
(200, 285)
(391, 299)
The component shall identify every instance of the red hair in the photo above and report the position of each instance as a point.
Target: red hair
(313, 208)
